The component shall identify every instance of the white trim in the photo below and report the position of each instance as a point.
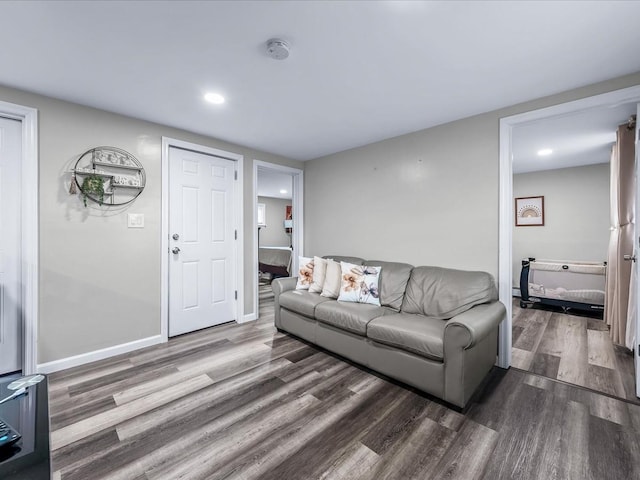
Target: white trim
(29, 229)
(250, 317)
(515, 292)
(96, 355)
(167, 143)
(297, 201)
(617, 97)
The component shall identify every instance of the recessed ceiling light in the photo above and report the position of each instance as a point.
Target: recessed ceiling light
(544, 152)
(215, 98)
(283, 191)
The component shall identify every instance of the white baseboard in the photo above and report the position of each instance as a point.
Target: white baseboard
(515, 292)
(248, 318)
(101, 354)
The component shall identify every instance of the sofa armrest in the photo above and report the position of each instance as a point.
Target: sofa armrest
(281, 285)
(470, 349)
(470, 327)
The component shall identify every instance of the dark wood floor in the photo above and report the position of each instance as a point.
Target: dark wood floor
(572, 348)
(245, 402)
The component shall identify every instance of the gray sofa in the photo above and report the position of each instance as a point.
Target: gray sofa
(436, 328)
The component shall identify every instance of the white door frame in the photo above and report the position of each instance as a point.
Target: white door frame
(238, 224)
(297, 239)
(29, 230)
(626, 95)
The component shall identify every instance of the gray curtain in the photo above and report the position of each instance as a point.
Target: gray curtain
(621, 242)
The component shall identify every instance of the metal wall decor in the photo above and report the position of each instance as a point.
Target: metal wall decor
(108, 176)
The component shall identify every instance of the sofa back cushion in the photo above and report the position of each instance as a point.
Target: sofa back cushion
(444, 293)
(393, 282)
(338, 258)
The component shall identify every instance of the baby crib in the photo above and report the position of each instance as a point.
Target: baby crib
(577, 285)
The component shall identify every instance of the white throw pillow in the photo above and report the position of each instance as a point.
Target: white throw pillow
(332, 280)
(319, 273)
(360, 283)
(305, 273)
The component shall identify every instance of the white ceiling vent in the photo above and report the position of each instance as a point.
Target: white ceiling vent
(277, 49)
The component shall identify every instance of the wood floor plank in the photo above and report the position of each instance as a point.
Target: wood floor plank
(357, 461)
(605, 380)
(223, 360)
(416, 457)
(610, 409)
(612, 449)
(76, 431)
(515, 453)
(534, 328)
(469, 453)
(626, 368)
(77, 412)
(545, 364)
(595, 324)
(516, 332)
(574, 442)
(85, 451)
(600, 349)
(573, 362)
(399, 424)
(552, 341)
(522, 359)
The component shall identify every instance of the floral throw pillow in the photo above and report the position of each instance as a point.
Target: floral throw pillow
(360, 284)
(305, 273)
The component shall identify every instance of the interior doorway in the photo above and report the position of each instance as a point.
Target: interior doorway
(278, 212)
(555, 161)
(10, 265)
(19, 250)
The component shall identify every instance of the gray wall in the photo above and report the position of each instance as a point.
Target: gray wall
(99, 280)
(576, 215)
(274, 235)
(429, 197)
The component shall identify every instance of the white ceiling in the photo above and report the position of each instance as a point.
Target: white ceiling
(359, 71)
(270, 183)
(583, 138)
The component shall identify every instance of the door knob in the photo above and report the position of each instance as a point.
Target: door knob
(629, 258)
(175, 236)
(176, 250)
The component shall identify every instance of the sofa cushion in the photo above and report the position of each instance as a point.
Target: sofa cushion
(444, 293)
(413, 333)
(352, 317)
(393, 282)
(301, 301)
(338, 258)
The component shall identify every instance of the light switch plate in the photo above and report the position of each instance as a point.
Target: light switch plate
(135, 220)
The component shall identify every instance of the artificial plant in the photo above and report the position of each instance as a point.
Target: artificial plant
(92, 185)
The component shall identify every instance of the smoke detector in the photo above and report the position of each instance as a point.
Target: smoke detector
(277, 49)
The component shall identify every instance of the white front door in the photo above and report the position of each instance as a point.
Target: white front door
(10, 297)
(202, 264)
